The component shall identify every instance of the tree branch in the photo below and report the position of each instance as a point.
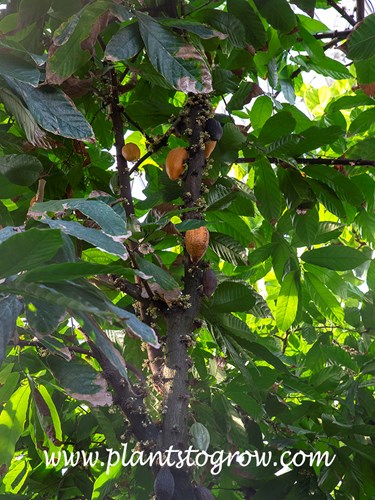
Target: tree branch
(333, 34)
(180, 320)
(342, 12)
(125, 397)
(360, 10)
(122, 164)
(316, 161)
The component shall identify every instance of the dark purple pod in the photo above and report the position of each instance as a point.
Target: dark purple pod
(214, 128)
(209, 282)
(164, 484)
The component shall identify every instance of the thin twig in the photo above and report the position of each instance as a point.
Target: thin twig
(333, 34)
(317, 161)
(342, 12)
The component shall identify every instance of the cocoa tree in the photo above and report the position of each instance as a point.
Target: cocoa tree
(186, 241)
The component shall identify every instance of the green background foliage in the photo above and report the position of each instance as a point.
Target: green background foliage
(283, 351)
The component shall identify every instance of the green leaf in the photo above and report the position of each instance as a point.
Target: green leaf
(135, 326)
(232, 296)
(230, 143)
(336, 257)
(181, 65)
(371, 275)
(266, 190)
(10, 308)
(125, 44)
(279, 125)
(227, 248)
(80, 380)
(324, 66)
(68, 54)
(19, 69)
(278, 13)
(110, 221)
(324, 299)
(53, 110)
(363, 122)
(260, 112)
(240, 97)
(71, 271)
(43, 317)
(93, 236)
(22, 170)
(287, 301)
(202, 30)
(255, 33)
(159, 275)
(34, 134)
(27, 250)
(314, 138)
(361, 44)
(365, 69)
(12, 421)
(306, 226)
(363, 149)
(226, 23)
(53, 411)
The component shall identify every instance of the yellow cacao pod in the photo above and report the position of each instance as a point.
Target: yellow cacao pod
(131, 152)
(209, 147)
(175, 163)
(196, 242)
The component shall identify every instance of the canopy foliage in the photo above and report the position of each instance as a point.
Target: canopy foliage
(109, 332)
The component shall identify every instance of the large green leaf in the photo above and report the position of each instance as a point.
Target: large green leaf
(324, 299)
(22, 170)
(68, 54)
(157, 274)
(227, 248)
(267, 190)
(19, 69)
(279, 125)
(10, 308)
(287, 302)
(12, 422)
(255, 33)
(34, 134)
(93, 236)
(278, 13)
(110, 221)
(232, 296)
(226, 23)
(125, 44)
(336, 257)
(80, 380)
(181, 65)
(27, 250)
(53, 110)
(260, 112)
(362, 41)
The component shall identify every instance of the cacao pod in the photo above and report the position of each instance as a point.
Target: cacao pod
(131, 152)
(175, 163)
(209, 282)
(202, 493)
(164, 484)
(214, 129)
(209, 147)
(196, 242)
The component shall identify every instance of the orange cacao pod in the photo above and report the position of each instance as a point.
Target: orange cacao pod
(209, 147)
(196, 242)
(175, 163)
(131, 152)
